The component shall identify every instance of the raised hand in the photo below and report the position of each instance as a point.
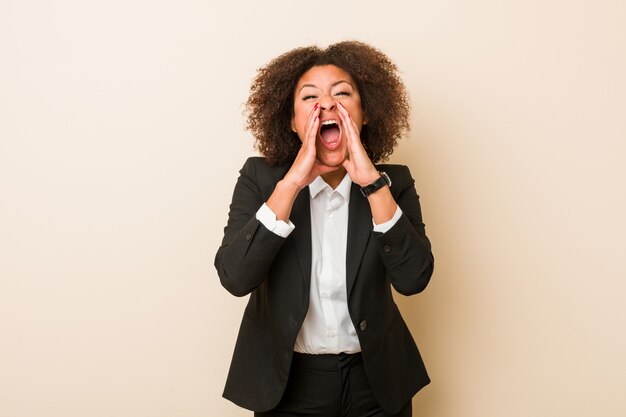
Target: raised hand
(303, 171)
(358, 164)
(363, 172)
(306, 167)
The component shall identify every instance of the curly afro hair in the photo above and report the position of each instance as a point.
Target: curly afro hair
(384, 99)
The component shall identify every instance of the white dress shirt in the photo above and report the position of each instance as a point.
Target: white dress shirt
(327, 327)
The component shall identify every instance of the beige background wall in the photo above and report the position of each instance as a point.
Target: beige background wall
(120, 140)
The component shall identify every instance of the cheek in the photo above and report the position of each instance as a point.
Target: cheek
(298, 125)
(300, 117)
(301, 124)
(354, 108)
(356, 113)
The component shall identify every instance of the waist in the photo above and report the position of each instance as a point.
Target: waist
(327, 361)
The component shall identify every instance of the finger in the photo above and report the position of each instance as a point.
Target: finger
(305, 159)
(352, 132)
(312, 125)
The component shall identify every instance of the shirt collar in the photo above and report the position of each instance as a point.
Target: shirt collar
(343, 188)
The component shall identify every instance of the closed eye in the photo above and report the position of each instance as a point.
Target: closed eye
(342, 93)
(308, 97)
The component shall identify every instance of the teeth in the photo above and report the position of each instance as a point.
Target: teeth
(329, 122)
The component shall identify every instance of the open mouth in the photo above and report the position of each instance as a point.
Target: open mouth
(330, 133)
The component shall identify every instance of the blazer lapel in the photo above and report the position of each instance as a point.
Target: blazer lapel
(359, 231)
(301, 218)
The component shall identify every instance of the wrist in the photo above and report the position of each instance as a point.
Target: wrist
(382, 180)
(282, 199)
(287, 186)
(369, 178)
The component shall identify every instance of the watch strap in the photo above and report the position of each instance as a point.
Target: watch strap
(376, 185)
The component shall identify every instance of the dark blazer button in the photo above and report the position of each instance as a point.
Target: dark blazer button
(363, 325)
(386, 248)
(249, 236)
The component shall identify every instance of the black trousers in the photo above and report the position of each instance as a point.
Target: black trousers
(329, 386)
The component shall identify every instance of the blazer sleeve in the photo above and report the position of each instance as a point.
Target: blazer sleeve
(405, 249)
(248, 248)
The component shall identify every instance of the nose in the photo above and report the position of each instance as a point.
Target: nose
(327, 103)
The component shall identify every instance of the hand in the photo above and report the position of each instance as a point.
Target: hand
(306, 167)
(363, 172)
(358, 164)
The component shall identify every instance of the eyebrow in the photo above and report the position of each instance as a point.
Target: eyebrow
(334, 84)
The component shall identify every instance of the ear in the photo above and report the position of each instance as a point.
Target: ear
(293, 126)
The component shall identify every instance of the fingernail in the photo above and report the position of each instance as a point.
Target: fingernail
(316, 104)
(342, 105)
(315, 120)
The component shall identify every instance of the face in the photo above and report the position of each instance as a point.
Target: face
(327, 85)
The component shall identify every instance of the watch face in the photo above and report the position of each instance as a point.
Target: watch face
(386, 177)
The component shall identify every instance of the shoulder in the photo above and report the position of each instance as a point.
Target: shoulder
(258, 171)
(259, 166)
(254, 163)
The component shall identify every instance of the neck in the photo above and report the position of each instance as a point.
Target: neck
(334, 178)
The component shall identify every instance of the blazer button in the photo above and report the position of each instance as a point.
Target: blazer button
(249, 236)
(363, 325)
(386, 248)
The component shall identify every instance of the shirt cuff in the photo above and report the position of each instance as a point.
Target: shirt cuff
(268, 219)
(383, 227)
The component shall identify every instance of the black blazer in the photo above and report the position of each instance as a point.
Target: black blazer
(277, 273)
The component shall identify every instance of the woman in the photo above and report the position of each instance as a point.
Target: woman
(316, 235)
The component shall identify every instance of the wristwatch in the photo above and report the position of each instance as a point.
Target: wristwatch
(376, 185)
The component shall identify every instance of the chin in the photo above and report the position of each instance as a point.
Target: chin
(332, 159)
